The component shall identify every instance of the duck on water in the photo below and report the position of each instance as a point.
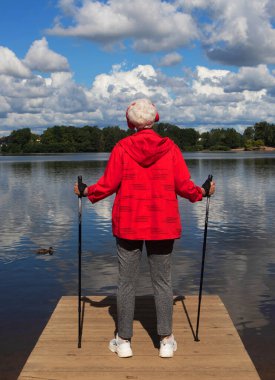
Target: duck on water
(45, 251)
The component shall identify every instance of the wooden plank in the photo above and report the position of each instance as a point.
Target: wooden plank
(220, 353)
(122, 375)
(99, 349)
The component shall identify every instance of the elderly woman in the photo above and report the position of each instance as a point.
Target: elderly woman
(147, 172)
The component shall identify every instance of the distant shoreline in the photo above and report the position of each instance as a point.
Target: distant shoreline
(261, 149)
(234, 150)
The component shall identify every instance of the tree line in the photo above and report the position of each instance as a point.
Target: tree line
(70, 139)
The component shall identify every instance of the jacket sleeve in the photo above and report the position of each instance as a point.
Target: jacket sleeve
(110, 181)
(183, 184)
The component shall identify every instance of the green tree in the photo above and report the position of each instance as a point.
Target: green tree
(265, 132)
(169, 130)
(89, 139)
(18, 139)
(61, 139)
(112, 135)
(232, 138)
(249, 133)
(188, 138)
(220, 138)
(260, 129)
(205, 140)
(253, 144)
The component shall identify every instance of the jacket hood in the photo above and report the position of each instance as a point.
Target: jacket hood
(146, 147)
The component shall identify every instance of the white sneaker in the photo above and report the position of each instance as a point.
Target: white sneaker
(168, 346)
(121, 347)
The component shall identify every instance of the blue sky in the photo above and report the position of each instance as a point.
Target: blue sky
(204, 63)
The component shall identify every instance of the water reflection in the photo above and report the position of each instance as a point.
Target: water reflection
(39, 209)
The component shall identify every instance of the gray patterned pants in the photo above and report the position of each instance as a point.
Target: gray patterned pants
(159, 257)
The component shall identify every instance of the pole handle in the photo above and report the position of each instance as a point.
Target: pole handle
(79, 181)
(210, 178)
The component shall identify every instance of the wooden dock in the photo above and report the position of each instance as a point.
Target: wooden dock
(219, 355)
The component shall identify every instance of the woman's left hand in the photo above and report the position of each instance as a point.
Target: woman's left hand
(77, 192)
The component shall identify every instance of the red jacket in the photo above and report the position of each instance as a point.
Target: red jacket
(147, 172)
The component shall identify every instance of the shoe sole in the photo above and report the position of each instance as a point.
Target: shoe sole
(166, 356)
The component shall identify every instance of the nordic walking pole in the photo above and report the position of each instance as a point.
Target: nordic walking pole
(210, 177)
(79, 180)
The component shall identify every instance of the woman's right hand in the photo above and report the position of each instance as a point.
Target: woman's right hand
(212, 188)
(208, 188)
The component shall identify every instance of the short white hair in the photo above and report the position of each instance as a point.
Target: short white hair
(141, 113)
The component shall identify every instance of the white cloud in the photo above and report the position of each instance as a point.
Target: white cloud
(250, 78)
(113, 92)
(239, 32)
(59, 79)
(36, 101)
(4, 107)
(208, 83)
(41, 58)
(12, 66)
(170, 59)
(213, 75)
(66, 96)
(67, 6)
(202, 97)
(140, 80)
(34, 87)
(160, 26)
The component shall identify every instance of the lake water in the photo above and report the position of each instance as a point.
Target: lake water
(38, 209)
